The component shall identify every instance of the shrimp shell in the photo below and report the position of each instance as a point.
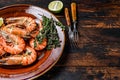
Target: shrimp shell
(11, 28)
(2, 52)
(27, 58)
(39, 46)
(12, 44)
(28, 22)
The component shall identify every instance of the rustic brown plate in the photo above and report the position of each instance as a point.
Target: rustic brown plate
(47, 58)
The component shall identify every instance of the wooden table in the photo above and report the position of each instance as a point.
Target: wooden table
(97, 56)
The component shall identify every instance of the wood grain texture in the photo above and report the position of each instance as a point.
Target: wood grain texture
(82, 73)
(100, 15)
(97, 56)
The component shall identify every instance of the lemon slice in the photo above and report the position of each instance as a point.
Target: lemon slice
(1, 21)
(55, 6)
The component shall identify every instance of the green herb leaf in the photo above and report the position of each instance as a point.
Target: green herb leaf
(49, 32)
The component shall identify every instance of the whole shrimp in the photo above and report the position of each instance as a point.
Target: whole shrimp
(27, 22)
(12, 44)
(35, 32)
(13, 29)
(26, 58)
(39, 46)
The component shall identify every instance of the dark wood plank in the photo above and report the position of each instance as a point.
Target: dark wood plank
(100, 15)
(82, 73)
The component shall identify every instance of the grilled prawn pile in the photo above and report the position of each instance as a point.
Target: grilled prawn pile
(17, 37)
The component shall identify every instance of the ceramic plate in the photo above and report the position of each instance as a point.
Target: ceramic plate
(46, 59)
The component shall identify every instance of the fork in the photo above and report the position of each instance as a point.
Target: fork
(74, 19)
(70, 32)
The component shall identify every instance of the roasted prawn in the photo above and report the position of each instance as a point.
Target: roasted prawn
(27, 57)
(14, 29)
(11, 43)
(33, 41)
(27, 22)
